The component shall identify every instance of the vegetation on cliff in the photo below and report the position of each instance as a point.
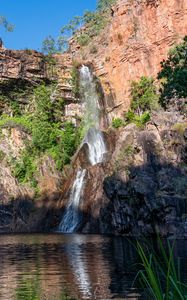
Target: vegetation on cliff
(41, 118)
(173, 77)
(83, 28)
(170, 92)
(4, 22)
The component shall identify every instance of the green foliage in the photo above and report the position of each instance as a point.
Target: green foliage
(43, 135)
(75, 80)
(93, 23)
(13, 95)
(15, 108)
(144, 98)
(2, 155)
(144, 95)
(48, 135)
(24, 122)
(66, 144)
(44, 106)
(180, 128)
(104, 4)
(117, 122)
(161, 276)
(93, 49)
(68, 140)
(3, 22)
(49, 45)
(174, 74)
(140, 121)
(25, 169)
(83, 39)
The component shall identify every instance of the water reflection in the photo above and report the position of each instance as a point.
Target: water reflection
(54, 267)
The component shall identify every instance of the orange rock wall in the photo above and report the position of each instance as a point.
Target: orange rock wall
(138, 38)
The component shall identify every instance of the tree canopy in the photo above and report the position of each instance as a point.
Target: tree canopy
(104, 4)
(173, 74)
(6, 24)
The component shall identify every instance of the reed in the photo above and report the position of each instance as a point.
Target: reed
(160, 274)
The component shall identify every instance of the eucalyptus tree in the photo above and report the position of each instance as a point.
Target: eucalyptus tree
(6, 24)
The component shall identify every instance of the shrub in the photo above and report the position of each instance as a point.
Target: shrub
(2, 155)
(83, 39)
(14, 95)
(173, 74)
(48, 135)
(3, 21)
(44, 106)
(43, 135)
(180, 128)
(75, 80)
(140, 121)
(117, 122)
(93, 49)
(24, 122)
(143, 119)
(144, 95)
(24, 169)
(93, 23)
(129, 116)
(66, 145)
(104, 4)
(49, 45)
(68, 140)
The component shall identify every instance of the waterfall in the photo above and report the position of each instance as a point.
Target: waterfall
(96, 149)
(96, 146)
(71, 219)
(94, 137)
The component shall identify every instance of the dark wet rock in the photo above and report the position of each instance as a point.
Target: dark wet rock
(144, 184)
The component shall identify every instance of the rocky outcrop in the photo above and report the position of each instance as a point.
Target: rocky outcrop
(140, 188)
(22, 64)
(22, 207)
(134, 43)
(145, 189)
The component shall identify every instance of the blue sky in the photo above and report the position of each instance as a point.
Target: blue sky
(36, 19)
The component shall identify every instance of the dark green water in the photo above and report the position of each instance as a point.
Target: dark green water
(54, 267)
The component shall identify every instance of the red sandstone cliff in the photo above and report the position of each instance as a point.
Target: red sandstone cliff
(135, 42)
(137, 39)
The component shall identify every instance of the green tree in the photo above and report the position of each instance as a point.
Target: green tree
(49, 45)
(104, 4)
(44, 106)
(144, 95)
(6, 24)
(173, 74)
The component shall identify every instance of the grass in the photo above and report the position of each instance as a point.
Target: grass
(180, 128)
(23, 121)
(160, 276)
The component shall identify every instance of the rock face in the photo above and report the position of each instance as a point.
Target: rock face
(24, 64)
(140, 188)
(137, 39)
(143, 188)
(134, 43)
(19, 211)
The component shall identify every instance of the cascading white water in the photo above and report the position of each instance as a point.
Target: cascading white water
(71, 218)
(96, 146)
(94, 137)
